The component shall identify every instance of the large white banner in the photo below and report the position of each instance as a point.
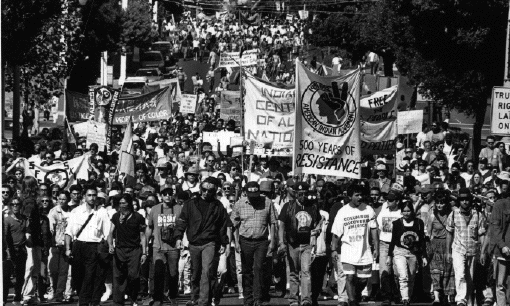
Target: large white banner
(500, 117)
(232, 59)
(270, 116)
(63, 174)
(378, 122)
(327, 134)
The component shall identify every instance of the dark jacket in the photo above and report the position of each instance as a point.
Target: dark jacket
(499, 226)
(31, 211)
(202, 229)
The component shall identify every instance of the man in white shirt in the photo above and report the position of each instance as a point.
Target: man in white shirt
(88, 225)
(352, 225)
(422, 136)
(373, 58)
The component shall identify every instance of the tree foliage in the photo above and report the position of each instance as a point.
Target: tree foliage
(137, 28)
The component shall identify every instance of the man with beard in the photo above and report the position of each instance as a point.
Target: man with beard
(204, 219)
(128, 226)
(299, 226)
(254, 219)
(165, 255)
(352, 226)
(87, 226)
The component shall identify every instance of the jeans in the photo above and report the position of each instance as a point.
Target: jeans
(58, 272)
(300, 261)
(405, 264)
(239, 272)
(32, 271)
(501, 278)
(340, 280)
(202, 271)
(386, 273)
(166, 262)
(126, 274)
(19, 261)
(220, 265)
(463, 266)
(185, 271)
(253, 254)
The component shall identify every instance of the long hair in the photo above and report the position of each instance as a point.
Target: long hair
(28, 187)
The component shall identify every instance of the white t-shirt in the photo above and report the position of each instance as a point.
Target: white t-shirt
(385, 221)
(467, 177)
(353, 226)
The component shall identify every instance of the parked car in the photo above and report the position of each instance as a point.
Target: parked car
(133, 86)
(152, 59)
(165, 48)
(152, 74)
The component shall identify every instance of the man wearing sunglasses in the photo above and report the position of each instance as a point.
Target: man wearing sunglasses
(165, 254)
(254, 220)
(299, 226)
(205, 220)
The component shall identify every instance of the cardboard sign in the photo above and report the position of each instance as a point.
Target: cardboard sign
(232, 59)
(410, 122)
(96, 133)
(500, 116)
(188, 104)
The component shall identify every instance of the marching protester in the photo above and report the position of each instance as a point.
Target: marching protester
(197, 203)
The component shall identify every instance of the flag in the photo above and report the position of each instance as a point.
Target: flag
(68, 139)
(127, 154)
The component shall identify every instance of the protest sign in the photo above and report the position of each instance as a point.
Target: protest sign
(152, 106)
(81, 128)
(230, 105)
(221, 137)
(303, 14)
(410, 122)
(378, 122)
(271, 115)
(327, 134)
(63, 174)
(500, 118)
(77, 106)
(96, 133)
(188, 104)
(232, 59)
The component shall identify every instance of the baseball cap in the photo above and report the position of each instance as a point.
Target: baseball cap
(252, 189)
(393, 195)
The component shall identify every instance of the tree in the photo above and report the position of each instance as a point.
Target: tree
(455, 50)
(137, 29)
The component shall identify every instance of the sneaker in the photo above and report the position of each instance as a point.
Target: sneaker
(187, 291)
(335, 297)
(241, 296)
(107, 294)
(231, 290)
(488, 302)
(49, 296)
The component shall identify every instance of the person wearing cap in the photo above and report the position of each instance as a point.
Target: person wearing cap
(205, 220)
(352, 226)
(383, 182)
(389, 212)
(191, 183)
(299, 226)
(165, 255)
(466, 230)
(254, 221)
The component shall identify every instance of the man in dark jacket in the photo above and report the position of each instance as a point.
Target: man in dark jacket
(205, 220)
(500, 243)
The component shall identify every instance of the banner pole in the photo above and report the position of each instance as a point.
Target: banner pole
(241, 97)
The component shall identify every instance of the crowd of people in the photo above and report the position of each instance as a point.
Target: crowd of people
(421, 225)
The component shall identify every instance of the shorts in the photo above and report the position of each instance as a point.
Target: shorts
(361, 271)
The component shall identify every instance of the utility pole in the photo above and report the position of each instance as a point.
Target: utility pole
(123, 60)
(104, 68)
(506, 78)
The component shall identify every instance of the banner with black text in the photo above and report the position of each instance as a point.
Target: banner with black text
(270, 116)
(327, 134)
(378, 122)
(152, 106)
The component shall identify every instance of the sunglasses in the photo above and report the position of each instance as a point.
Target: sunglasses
(16, 204)
(209, 190)
(311, 197)
(252, 189)
(5, 192)
(168, 193)
(45, 201)
(226, 188)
